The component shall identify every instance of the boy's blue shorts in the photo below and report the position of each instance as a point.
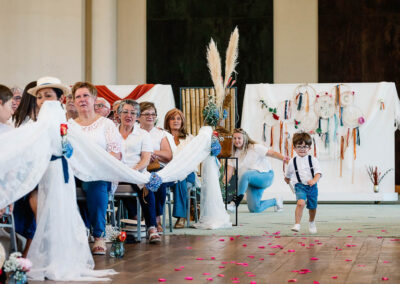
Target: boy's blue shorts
(308, 193)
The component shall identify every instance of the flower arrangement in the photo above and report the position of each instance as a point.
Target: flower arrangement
(376, 177)
(118, 238)
(215, 145)
(154, 183)
(67, 149)
(18, 267)
(218, 102)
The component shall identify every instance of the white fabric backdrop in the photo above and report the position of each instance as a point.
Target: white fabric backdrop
(377, 141)
(161, 95)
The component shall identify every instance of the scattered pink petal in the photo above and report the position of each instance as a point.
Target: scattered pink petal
(251, 275)
(188, 247)
(261, 247)
(178, 269)
(221, 275)
(210, 279)
(162, 280)
(311, 245)
(261, 258)
(221, 266)
(271, 253)
(386, 261)
(315, 282)
(232, 261)
(339, 229)
(181, 267)
(359, 231)
(199, 258)
(314, 258)
(292, 280)
(253, 282)
(334, 277)
(306, 270)
(206, 273)
(247, 237)
(395, 240)
(384, 231)
(244, 245)
(349, 236)
(247, 272)
(222, 240)
(236, 281)
(348, 260)
(234, 278)
(379, 237)
(213, 257)
(361, 265)
(295, 271)
(188, 278)
(224, 262)
(250, 256)
(385, 278)
(303, 245)
(291, 250)
(232, 238)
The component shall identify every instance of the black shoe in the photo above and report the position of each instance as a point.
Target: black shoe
(237, 199)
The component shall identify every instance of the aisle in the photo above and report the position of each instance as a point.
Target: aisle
(259, 259)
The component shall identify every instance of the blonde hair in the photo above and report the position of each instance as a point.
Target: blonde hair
(247, 141)
(79, 85)
(171, 113)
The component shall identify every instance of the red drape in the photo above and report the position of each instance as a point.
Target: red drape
(140, 90)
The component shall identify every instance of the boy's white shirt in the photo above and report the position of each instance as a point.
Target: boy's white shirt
(303, 168)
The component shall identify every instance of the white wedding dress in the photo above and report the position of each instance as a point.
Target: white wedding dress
(60, 249)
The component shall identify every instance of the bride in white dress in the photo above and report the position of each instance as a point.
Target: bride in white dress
(60, 249)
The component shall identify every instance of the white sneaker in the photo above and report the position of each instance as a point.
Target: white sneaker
(296, 228)
(312, 228)
(231, 207)
(279, 204)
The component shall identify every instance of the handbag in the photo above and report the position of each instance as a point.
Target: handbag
(153, 166)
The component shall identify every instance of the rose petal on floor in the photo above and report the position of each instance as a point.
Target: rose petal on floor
(385, 278)
(292, 280)
(162, 280)
(221, 275)
(178, 269)
(210, 279)
(206, 273)
(199, 258)
(334, 277)
(188, 278)
(314, 258)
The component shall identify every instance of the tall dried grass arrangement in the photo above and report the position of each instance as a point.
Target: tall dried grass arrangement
(214, 66)
(231, 56)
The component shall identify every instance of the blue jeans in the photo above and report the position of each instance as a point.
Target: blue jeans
(148, 206)
(308, 193)
(94, 213)
(255, 182)
(181, 196)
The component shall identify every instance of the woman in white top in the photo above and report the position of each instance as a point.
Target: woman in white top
(137, 147)
(174, 123)
(162, 152)
(255, 172)
(103, 132)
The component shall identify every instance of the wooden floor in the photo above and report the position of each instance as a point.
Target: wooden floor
(262, 259)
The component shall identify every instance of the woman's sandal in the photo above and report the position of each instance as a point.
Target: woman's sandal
(180, 223)
(154, 237)
(160, 230)
(99, 247)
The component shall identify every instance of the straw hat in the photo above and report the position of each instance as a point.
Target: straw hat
(49, 82)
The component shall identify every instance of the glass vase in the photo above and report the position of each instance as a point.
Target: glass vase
(117, 250)
(18, 278)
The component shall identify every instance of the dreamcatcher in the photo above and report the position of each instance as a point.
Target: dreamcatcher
(352, 118)
(324, 108)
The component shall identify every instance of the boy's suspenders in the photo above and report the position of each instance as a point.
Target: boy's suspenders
(297, 171)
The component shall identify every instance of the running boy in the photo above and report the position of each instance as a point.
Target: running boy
(304, 171)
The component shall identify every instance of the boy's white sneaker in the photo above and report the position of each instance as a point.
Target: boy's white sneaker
(279, 204)
(312, 228)
(231, 207)
(296, 228)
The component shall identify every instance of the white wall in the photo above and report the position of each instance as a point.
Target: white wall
(41, 38)
(131, 42)
(295, 41)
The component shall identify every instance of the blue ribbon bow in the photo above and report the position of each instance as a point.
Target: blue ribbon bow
(64, 165)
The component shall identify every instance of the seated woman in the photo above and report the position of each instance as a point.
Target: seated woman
(161, 155)
(103, 132)
(255, 172)
(174, 123)
(137, 148)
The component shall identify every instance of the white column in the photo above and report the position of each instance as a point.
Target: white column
(131, 47)
(295, 41)
(104, 42)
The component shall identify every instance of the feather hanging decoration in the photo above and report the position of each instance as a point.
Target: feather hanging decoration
(214, 66)
(231, 56)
